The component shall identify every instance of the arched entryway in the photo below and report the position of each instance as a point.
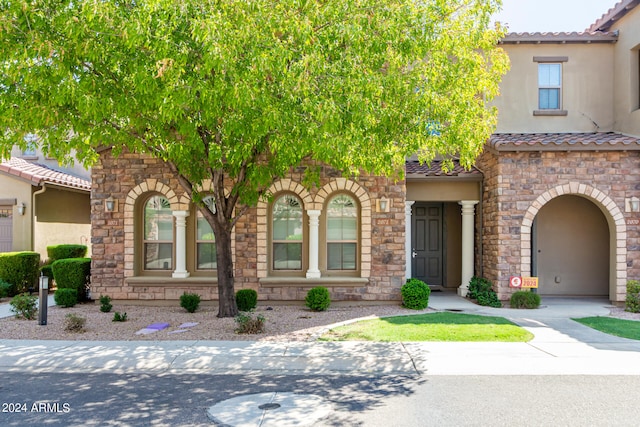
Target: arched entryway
(570, 242)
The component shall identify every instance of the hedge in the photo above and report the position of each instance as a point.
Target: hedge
(20, 269)
(73, 273)
(66, 251)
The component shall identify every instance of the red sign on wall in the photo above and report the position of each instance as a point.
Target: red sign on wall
(523, 282)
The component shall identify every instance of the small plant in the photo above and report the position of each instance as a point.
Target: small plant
(524, 299)
(7, 289)
(481, 290)
(318, 298)
(246, 299)
(24, 306)
(248, 324)
(190, 302)
(74, 323)
(117, 317)
(66, 297)
(105, 303)
(415, 294)
(632, 303)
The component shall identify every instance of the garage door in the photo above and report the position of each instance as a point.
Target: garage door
(6, 227)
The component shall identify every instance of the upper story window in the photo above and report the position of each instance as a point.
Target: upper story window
(30, 149)
(342, 233)
(157, 239)
(549, 86)
(205, 240)
(287, 239)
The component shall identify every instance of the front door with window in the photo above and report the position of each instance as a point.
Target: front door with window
(427, 243)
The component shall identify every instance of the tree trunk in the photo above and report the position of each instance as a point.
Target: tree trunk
(226, 295)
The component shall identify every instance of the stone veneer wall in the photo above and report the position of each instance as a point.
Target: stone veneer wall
(130, 175)
(518, 184)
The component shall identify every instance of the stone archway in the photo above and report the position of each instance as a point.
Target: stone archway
(617, 232)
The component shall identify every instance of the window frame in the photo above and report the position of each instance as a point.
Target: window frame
(325, 241)
(550, 60)
(197, 241)
(142, 241)
(304, 242)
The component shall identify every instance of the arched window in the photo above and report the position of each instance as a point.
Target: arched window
(287, 238)
(205, 239)
(157, 239)
(342, 233)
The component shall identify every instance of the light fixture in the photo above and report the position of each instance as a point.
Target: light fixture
(635, 204)
(110, 204)
(383, 204)
(21, 208)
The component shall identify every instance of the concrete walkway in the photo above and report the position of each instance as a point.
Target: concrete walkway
(560, 347)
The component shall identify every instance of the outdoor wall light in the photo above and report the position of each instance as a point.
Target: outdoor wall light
(632, 204)
(21, 208)
(383, 204)
(110, 204)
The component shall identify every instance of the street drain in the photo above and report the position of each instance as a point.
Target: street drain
(268, 406)
(455, 310)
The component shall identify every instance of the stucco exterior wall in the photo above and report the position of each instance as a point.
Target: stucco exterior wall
(11, 188)
(587, 89)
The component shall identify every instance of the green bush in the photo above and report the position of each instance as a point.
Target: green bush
(105, 304)
(66, 297)
(57, 252)
(246, 299)
(7, 289)
(73, 273)
(74, 323)
(190, 302)
(415, 294)
(117, 317)
(46, 270)
(248, 324)
(481, 290)
(20, 269)
(632, 303)
(318, 298)
(524, 299)
(24, 306)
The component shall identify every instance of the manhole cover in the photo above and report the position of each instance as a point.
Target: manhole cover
(270, 410)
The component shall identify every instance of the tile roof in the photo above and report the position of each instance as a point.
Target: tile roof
(596, 141)
(606, 21)
(39, 174)
(414, 169)
(572, 37)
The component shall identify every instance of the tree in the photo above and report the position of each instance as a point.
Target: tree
(238, 92)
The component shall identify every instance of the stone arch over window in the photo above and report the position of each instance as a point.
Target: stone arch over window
(284, 185)
(361, 195)
(140, 190)
(617, 227)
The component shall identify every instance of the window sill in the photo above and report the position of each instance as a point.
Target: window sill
(550, 112)
(170, 281)
(272, 282)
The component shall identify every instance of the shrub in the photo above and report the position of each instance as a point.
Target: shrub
(318, 298)
(73, 273)
(415, 294)
(74, 323)
(248, 324)
(117, 317)
(57, 252)
(632, 303)
(524, 299)
(24, 306)
(246, 299)
(46, 270)
(190, 302)
(477, 286)
(66, 297)
(20, 269)
(7, 289)
(105, 304)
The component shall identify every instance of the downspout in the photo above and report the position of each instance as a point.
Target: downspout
(33, 214)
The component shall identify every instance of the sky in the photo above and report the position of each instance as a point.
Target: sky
(552, 15)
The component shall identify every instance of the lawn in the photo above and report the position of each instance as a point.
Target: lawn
(612, 326)
(441, 326)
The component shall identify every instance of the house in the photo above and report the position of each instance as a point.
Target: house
(555, 194)
(42, 203)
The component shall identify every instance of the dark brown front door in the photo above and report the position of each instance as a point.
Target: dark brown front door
(427, 242)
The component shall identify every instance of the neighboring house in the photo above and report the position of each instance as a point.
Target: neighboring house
(42, 204)
(555, 194)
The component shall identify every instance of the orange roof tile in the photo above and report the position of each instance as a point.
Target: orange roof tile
(39, 174)
(596, 141)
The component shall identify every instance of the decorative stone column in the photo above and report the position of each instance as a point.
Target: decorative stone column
(314, 224)
(468, 214)
(181, 244)
(408, 236)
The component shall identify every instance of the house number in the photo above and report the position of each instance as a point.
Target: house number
(112, 222)
(633, 221)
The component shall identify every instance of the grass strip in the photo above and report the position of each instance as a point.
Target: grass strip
(612, 326)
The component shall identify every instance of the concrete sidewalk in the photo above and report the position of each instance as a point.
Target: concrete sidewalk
(561, 347)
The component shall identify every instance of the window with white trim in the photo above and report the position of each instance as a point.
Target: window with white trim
(157, 239)
(287, 233)
(205, 239)
(549, 86)
(342, 233)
